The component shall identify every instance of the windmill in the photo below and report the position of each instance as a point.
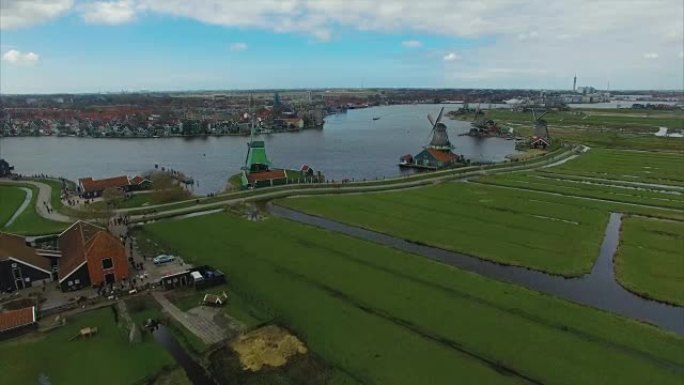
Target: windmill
(440, 138)
(479, 121)
(541, 128)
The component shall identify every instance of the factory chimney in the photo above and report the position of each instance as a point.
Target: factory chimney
(574, 83)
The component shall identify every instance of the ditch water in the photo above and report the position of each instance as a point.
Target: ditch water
(195, 372)
(599, 288)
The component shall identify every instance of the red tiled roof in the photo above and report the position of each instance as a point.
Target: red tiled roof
(14, 246)
(442, 156)
(266, 175)
(90, 184)
(17, 318)
(137, 180)
(73, 243)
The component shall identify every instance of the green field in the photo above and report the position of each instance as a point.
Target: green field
(387, 317)
(107, 358)
(647, 167)
(10, 200)
(650, 260)
(30, 223)
(616, 128)
(527, 229)
(597, 189)
(632, 120)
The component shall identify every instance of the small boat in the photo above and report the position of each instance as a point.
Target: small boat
(376, 118)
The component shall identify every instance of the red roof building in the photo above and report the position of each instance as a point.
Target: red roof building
(267, 178)
(91, 256)
(91, 188)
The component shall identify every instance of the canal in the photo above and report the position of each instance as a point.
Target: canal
(598, 289)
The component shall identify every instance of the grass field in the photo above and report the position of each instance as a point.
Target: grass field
(387, 317)
(614, 118)
(648, 167)
(10, 200)
(30, 223)
(617, 128)
(527, 229)
(650, 260)
(597, 189)
(104, 359)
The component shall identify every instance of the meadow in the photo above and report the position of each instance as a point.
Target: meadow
(30, 223)
(105, 359)
(597, 189)
(527, 229)
(650, 259)
(10, 200)
(648, 167)
(379, 315)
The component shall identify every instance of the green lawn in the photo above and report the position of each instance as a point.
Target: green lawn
(527, 229)
(387, 317)
(650, 260)
(599, 189)
(649, 167)
(30, 223)
(10, 200)
(106, 358)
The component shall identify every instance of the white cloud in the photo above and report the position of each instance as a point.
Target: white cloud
(19, 58)
(25, 13)
(108, 12)
(237, 47)
(651, 55)
(532, 35)
(412, 43)
(451, 56)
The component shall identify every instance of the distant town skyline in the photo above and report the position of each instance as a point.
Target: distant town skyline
(72, 46)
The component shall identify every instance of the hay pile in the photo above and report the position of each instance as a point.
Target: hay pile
(266, 346)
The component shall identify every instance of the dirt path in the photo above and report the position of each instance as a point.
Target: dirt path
(22, 207)
(203, 327)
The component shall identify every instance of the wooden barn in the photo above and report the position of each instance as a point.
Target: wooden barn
(21, 266)
(91, 256)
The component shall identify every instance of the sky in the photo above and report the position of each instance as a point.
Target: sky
(73, 46)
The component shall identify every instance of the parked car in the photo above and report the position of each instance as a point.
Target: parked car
(158, 260)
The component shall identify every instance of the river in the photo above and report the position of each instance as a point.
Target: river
(350, 145)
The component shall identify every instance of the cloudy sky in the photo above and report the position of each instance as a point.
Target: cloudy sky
(89, 46)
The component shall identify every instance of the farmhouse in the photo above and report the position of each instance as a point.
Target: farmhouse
(21, 266)
(92, 188)
(91, 256)
(435, 159)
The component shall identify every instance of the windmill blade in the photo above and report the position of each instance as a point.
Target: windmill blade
(534, 116)
(439, 117)
(542, 115)
(547, 132)
(431, 119)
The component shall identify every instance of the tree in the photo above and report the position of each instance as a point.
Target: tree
(113, 196)
(165, 188)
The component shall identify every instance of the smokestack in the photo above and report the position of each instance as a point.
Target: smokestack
(574, 84)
